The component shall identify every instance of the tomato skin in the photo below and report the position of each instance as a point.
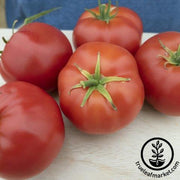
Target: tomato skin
(35, 53)
(97, 116)
(124, 30)
(31, 130)
(162, 84)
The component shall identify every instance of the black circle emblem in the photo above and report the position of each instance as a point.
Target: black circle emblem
(157, 153)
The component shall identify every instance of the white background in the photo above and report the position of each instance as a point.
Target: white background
(110, 157)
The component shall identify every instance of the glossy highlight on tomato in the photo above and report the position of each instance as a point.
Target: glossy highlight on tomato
(100, 88)
(158, 60)
(31, 130)
(35, 53)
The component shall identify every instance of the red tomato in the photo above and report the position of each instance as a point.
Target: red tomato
(104, 95)
(121, 26)
(159, 65)
(31, 130)
(35, 53)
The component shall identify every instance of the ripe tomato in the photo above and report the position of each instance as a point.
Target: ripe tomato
(31, 130)
(100, 88)
(159, 65)
(117, 25)
(35, 53)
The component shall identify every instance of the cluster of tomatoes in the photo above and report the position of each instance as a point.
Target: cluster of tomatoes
(101, 85)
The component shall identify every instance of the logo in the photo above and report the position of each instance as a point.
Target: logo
(157, 155)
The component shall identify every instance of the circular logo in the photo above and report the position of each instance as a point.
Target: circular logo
(157, 153)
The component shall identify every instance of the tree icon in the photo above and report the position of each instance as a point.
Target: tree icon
(157, 154)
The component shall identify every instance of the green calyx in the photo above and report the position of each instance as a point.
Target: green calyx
(104, 12)
(173, 57)
(97, 82)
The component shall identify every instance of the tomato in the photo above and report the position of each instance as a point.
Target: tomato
(117, 25)
(100, 88)
(159, 65)
(35, 53)
(31, 130)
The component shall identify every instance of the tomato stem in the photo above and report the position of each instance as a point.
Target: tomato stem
(13, 25)
(106, 80)
(4, 40)
(88, 94)
(173, 57)
(89, 83)
(102, 90)
(97, 73)
(36, 16)
(97, 82)
(104, 12)
(83, 72)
